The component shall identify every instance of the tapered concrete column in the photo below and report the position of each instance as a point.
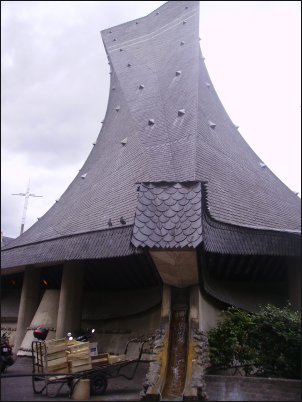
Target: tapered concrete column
(70, 304)
(29, 302)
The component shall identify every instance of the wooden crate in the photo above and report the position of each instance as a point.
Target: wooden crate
(58, 345)
(56, 355)
(99, 360)
(117, 359)
(79, 362)
(79, 347)
(57, 363)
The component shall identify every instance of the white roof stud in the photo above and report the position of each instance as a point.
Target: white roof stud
(212, 125)
(181, 112)
(141, 86)
(117, 108)
(182, 43)
(178, 72)
(124, 141)
(151, 122)
(83, 176)
(208, 84)
(263, 165)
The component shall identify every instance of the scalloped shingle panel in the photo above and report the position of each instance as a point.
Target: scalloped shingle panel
(168, 215)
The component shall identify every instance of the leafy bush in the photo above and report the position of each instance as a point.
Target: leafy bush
(266, 343)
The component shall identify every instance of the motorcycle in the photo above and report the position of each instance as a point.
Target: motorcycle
(82, 337)
(6, 353)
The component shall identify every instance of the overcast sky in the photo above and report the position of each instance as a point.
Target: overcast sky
(55, 86)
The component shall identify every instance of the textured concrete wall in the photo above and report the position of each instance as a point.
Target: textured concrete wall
(209, 313)
(234, 388)
(294, 284)
(10, 303)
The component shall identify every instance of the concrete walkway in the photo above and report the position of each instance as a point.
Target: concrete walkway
(20, 388)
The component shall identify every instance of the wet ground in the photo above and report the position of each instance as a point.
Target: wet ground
(20, 388)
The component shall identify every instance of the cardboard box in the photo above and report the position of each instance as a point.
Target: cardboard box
(93, 348)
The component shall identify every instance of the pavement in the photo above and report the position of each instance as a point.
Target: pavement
(19, 388)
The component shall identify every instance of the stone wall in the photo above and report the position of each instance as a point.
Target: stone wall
(234, 388)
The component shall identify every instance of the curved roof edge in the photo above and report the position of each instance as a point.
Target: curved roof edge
(108, 243)
(224, 238)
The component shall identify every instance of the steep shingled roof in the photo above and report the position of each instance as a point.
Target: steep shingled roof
(163, 103)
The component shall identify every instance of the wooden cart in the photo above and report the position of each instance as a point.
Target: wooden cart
(62, 362)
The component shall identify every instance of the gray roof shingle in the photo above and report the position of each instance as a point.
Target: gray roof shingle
(175, 149)
(168, 215)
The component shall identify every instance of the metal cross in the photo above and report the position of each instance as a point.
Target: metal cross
(26, 195)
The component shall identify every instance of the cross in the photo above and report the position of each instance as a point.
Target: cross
(26, 195)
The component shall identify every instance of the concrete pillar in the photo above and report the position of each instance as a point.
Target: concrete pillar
(29, 302)
(70, 303)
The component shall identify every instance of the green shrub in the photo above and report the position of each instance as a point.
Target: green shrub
(266, 343)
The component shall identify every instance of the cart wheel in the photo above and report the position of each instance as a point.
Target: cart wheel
(98, 384)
